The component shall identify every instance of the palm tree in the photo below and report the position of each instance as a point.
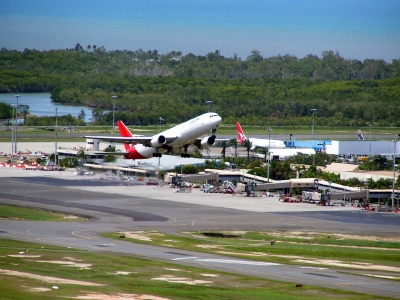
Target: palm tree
(80, 155)
(264, 151)
(24, 110)
(223, 144)
(247, 144)
(233, 142)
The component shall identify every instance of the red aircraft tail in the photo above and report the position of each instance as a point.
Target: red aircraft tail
(241, 136)
(124, 131)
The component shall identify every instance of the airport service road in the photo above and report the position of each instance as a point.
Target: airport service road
(126, 211)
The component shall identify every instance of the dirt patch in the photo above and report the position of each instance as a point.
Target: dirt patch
(67, 263)
(353, 265)
(208, 246)
(48, 278)
(382, 276)
(209, 275)
(70, 217)
(341, 236)
(173, 279)
(120, 273)
(22, 255)
(39, 289)
(367, 238)
(141, 235)
(98, 296)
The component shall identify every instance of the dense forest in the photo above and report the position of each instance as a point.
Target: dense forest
(274, 91)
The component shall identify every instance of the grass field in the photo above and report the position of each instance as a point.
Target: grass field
(353, 253)
(32, 214)
(36, 271)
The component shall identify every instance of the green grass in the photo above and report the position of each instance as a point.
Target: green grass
(286, 249)
(140, 280)
(33, 214)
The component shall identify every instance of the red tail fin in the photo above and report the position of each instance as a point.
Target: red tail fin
(124, 131)
(241, 136)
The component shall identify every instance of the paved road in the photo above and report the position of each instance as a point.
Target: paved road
(126, 212)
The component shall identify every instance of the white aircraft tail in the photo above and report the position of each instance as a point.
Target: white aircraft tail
(360, 135)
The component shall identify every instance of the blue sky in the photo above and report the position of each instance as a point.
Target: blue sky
(358, 29)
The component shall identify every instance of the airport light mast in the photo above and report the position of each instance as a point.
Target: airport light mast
(312, 131)
(55, 147)
(114, 97)
(370, 148)
(16, 125)
(269, 153)
(12, 136)
(394, 168)
(159, 130)
(209, 105)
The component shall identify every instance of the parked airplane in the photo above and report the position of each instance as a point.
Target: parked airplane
(184, 138)
(259, 143)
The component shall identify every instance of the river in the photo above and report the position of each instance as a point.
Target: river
(40, 104)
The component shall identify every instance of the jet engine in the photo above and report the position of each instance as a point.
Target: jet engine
(158, 141)
(207, 142)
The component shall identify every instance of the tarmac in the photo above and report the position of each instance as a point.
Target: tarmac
(138, 189)
(68, 179)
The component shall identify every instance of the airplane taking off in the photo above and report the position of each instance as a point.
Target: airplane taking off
(184, 138)
(259, 143)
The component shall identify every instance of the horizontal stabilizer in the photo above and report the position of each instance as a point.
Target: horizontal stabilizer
(112, 153)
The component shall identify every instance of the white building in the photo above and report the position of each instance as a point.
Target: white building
(363, 148)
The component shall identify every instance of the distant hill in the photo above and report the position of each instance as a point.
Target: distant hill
(278, 90)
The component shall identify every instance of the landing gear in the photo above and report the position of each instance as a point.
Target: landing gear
(157, 154)
(185, 154)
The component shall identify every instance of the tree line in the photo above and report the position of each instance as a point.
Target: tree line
(277, 91)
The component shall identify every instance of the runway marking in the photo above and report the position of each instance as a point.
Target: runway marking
(229, 261)
(75, 233)
(182, 258)
(315, 268)
(239, 262)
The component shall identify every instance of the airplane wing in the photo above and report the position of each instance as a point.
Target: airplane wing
(129, 139)
(112, 153)
(121, 139)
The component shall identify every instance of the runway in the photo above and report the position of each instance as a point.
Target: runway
(114, 207)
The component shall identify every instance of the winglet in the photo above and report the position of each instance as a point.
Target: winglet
(241, 136)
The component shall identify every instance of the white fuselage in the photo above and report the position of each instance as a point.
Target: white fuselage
(185, 133)
(265, 143)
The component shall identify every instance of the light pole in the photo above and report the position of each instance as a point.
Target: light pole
(159, 130)
(55, 147)
(181, 176)
(12, 136)
(269, 152)
(113, 124)
(254, 185)
(370, 148)
(159, 126)
(209, 105)
(394, 169)
(312, 131)
(16, 124)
